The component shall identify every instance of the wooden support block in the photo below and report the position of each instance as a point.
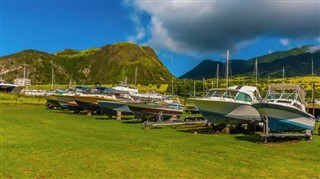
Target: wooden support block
(118, 115)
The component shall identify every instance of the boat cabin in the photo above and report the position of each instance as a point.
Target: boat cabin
(287, 94)
(237, 93)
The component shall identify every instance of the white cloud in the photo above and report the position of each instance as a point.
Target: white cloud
(214, 26)
(285, 42)
(314, 49)
(140, 30)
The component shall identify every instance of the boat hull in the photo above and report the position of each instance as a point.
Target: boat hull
(66, 102)
(89, 106)
(227, 112)
(53, 103)
(7, 88)
(154, 110)
(115, 106)
(284, 118)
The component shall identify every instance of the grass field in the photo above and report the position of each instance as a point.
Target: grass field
(40, 143)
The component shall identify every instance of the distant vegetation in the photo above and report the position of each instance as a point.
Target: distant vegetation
(109, 64)
(158, 88)
(182, 87)
(296, 62)
(77, 53)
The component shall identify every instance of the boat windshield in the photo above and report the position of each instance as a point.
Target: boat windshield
(221, 93)
(230, 94)
(274, 96)
(286, 96)
(215, 94)
(243, 97)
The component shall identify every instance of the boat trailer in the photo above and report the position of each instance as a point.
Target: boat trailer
(267, 134)
(187, 121)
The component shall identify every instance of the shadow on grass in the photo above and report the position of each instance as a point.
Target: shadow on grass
(271, 140)
(200, 129)
(249, 138)
(133, 121)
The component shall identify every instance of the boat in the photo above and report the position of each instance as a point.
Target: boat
(231, 105)
(146, 97)
(157, 111)
(121, 104)
(89, 102)
(65, 97)
(123, 87)
(192, 109)
(285, 108)
(67, 102)
(6, 87)
(52, 103)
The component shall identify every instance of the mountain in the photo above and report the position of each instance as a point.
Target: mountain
(297, 62)
(109, 64)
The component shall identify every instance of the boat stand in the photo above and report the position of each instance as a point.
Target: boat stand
(148, 124)
(267, 134)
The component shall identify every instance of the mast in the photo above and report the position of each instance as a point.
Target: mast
(227, 70)
(203, 87)
(135, 77)
(70, 82)
(172, 75)
(1, 77)
(313, 110)
(24, 75)
(217, 75)
(24, 71)
(256, 71)
(194, 88)
(52, 78)
(126, 81)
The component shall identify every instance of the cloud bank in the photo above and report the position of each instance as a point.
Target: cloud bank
(214, 26)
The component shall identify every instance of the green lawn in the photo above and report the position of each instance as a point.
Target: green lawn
(36, 142)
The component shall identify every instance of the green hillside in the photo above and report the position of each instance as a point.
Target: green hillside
(109, 64)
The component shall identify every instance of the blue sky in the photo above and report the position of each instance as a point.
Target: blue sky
(185, 31)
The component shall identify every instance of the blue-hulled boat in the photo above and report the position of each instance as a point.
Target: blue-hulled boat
(231, 105)
(284, 107)
(6, 87)
(114, 105)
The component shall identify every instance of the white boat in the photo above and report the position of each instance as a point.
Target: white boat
(231, 105)
(284, 107)
(123, 87)
(146, 97)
